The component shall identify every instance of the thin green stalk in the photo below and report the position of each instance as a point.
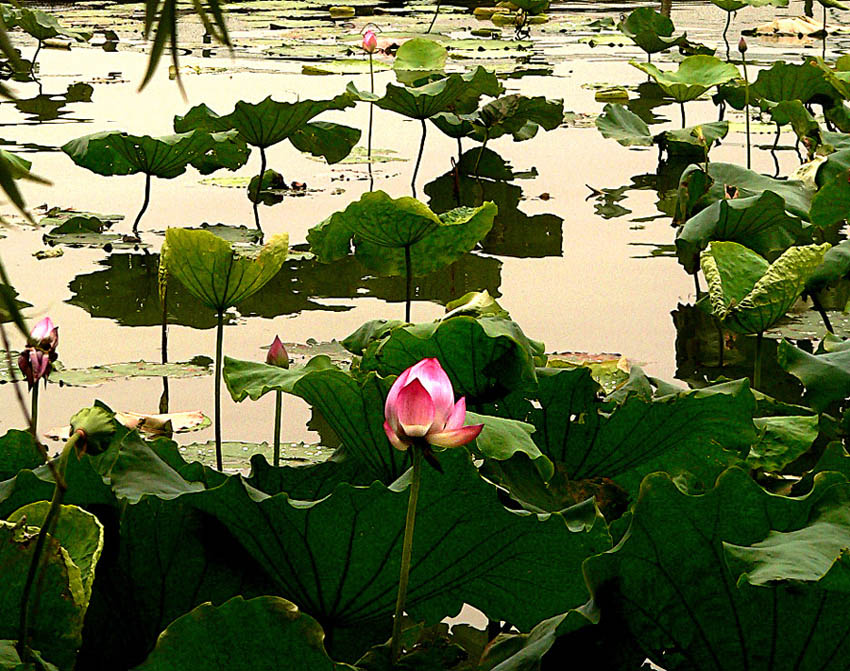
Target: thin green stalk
(278, 408)
(823, 54)
(747, 106)
(757, 363)
(219, 338)
(144, 203)
(434, 18)
(822, 312)
(725, 29)
(419, 157)
(696, 285)
(38, 48)
(683, 113)
(259, 188)
(369, 136)
(408, 284)
(163, 399)
(481, 152)
(406, 551)
(34, 409)
(49, 520)
(459, 150)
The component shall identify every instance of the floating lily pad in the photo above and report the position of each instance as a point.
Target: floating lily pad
(236, 455)
(57, 216)
(97, 375)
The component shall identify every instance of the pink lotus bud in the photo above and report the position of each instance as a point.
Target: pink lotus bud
(45, 335)
(370, 42)
(35, 365)
(421, 405)
(277, 355)
(742, 46)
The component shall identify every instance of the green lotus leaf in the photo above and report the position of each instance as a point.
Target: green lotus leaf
(807, 82)
(830, 203)
(210, 637)
(693, 140)
(782, 440)
(17, 452)
(43, 26)
(19, 167)
(825, 374)
(729, 5)
(418, 58)
(834, 267)
(262, 124)
(485, 358)
(706, 611)
(517, 115)
(268, 191)
(456, 93)
(478, 553)
(214, 272)
(696, 74)
(332, 141)
(795, 114)
(650, 30)
(619, 123)
(118, 153)
(758, 222)
(749, 294)
(452, 125)
(381, 228)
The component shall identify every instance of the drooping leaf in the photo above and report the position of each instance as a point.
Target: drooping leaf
(650, 30)
(43, 26)
(332, 141)
(758, 222)
(749, 294)
(217, 274)
(621, 124)
(830, 203)
(806, 82)
(834, 267)
(825, 374)
(696, 74)
(517, 115)
(210, 637)
(693, 141)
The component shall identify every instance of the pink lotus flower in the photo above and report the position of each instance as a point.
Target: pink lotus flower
(421, 405)
(45, 335)
(36, 361)
(370, 42)
(277, 355)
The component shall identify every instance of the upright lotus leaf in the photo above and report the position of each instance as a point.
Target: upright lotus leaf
(619, 123)
(331, 141)
(696, 74)
(678, 579)
(694, 141)
(216, 273)
(758, 222)
(478, 553)
(485, 358)
(17, 452)
(650, 30)
(825, 374)
(419, 58)
(749, 294)
(807, 82)
(515, 114)
(59, 605)
(458, 93)
(210, 637)
(383, 230)
(43, 26)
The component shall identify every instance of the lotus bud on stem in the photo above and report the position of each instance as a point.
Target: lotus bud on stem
(36, 361)
(742, 47)
(278, 357)
(421, 413)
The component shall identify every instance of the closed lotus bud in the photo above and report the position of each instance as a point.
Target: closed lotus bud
(96, 427)
(35, 365)
(742, 45)
(370, 42)
(45, 335)
(277, 355)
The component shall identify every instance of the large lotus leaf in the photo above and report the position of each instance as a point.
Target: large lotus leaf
(118, 153)
(43, 26)
(78, 532)
(453, 125)
(758, 222)
(782, 440)
(749, 294)
(11, 661)
(621, 124)
(214, 271)
(17, 452)
(650, 30)
(210, 637)
(797, 196)
(381, 227)
(485, 358)
(806, 82)
(669, 582)
(262, 124)
(332, 141)
(57, 606)
(516, 114)
(456, 93)
(693, 140)
(826, 374)
(835, 266)
(419, 58)
(795, 114)
(228, 150)
(477, 553)
(696, 74)
(831, 202)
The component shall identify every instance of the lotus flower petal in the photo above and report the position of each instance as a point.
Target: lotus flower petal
(457, 415)
(394, 438)
(42, 330)
(455, 437)
(415, 410)
(390, 410)
(432, 376)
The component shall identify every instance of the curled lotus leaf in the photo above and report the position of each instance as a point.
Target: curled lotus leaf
(215, 272)
(650, 30)
(43, 26)
(749, 294)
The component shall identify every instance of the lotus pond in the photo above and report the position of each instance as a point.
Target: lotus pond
(409, 336)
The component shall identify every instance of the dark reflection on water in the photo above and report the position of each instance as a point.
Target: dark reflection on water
(51, 107)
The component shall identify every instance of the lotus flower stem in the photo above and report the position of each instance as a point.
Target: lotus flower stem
(144, 203)
(34, 410)
(696, 285)
(408, 283)
(259, 188)
(434, 18)
(278, 407)
(38, 48)
(481, 151)
(746, 105)
(459, 150)
(46, 527)
(822, 312)
(406, 550)
(219, 338)
(823, 53)
(757, 362)
(371, 113)
(725, 29)
(682, 105)
(163, 400)
(419, 157)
